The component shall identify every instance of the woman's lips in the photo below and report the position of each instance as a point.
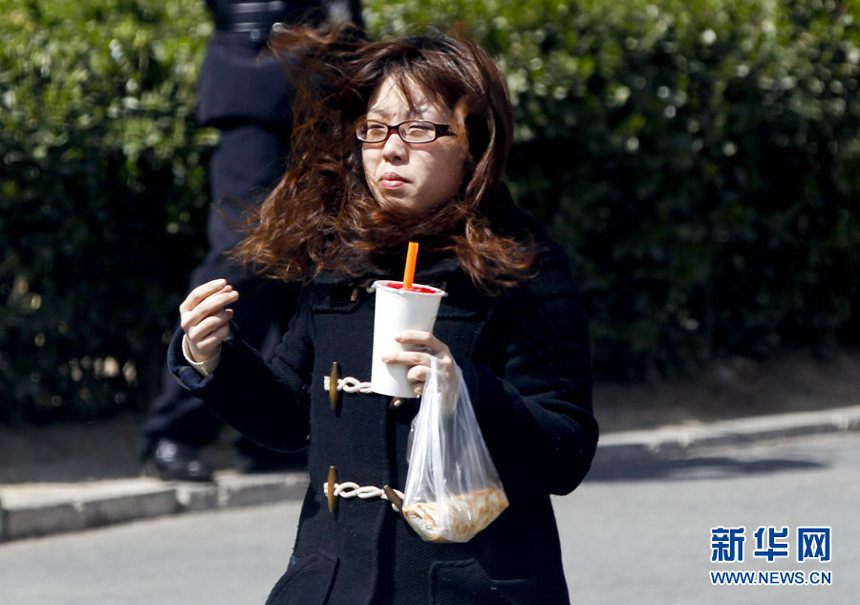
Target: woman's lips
(392, 180)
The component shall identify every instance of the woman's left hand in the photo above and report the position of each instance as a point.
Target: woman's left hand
(426, 346)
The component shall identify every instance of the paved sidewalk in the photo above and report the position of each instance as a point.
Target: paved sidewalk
(41, 509)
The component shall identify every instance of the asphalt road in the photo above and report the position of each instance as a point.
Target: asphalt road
(642, 533)
(633, 533)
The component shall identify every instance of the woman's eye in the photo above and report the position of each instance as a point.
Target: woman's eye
(420, 129)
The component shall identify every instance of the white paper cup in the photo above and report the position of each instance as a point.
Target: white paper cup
(397, 310)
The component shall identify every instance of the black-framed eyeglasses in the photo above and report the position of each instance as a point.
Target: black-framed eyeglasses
(411, 131)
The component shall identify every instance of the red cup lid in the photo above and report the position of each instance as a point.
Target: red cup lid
(396, 285)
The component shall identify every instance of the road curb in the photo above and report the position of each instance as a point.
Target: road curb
(674, 441)
(30, 511)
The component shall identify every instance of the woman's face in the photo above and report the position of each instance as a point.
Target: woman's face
(411, 177)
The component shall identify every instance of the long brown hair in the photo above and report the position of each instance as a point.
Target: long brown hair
(322, 216)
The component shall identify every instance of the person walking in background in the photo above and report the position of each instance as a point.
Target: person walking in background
(407, 143)
(246, 95)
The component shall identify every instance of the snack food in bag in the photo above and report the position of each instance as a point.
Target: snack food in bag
(453, 490)
(456, 518)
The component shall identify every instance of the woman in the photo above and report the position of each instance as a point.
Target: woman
(408, 142)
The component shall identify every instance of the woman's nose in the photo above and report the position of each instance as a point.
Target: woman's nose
(394, 146)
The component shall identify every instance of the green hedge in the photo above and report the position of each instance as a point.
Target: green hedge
(699, 160)
(102, 198)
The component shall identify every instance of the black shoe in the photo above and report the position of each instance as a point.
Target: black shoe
(174, 461)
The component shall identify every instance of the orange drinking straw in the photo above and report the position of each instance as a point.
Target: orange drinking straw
(411, 259)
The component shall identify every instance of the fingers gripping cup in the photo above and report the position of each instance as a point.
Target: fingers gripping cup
(398, 309)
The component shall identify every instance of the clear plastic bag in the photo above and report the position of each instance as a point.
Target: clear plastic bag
(452, 489)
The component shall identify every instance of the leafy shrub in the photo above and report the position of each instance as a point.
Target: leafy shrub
(698, 159)
(102, 197)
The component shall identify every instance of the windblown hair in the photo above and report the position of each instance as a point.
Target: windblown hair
(322, 215)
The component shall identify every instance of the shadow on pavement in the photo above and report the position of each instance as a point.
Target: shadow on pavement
(691, 469)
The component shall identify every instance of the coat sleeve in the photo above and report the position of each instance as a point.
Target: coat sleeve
(268, 403)
(536, 414)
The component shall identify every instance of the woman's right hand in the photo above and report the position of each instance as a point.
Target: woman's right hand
(205, 319)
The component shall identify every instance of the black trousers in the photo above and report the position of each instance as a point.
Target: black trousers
(245, 166)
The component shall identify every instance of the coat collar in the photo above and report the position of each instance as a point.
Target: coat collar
(507, 219)
(435, 273)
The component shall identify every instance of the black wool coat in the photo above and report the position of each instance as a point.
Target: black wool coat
(526, 362)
